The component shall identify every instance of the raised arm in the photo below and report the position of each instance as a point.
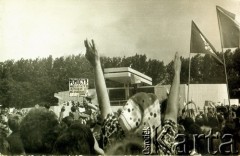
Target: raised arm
(172, 104)
(101, 89)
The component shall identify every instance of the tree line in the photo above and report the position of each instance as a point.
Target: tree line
(27, 82)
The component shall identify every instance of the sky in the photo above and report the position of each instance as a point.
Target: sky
(157, 28)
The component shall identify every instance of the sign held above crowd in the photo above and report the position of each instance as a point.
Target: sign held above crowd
(78, 87)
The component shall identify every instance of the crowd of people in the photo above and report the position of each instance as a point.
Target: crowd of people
(219, 124)
(171, 130)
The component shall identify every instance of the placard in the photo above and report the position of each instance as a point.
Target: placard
(78, 87)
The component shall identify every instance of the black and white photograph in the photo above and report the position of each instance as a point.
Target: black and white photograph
(111, 77)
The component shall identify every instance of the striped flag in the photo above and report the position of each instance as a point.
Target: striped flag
(229, 28)
(200, 44)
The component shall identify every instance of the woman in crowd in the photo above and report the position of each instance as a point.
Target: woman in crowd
(141, 110)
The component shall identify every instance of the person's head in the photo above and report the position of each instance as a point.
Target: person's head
(4, 145)
(71, 115)
(47, 106)
(183, 110)
(89, 99)
(73, 109)
(220, 118)
(212, 122)
(68, 120)
(119, 111)
(194, 129)
(39, 130)
(4, 118)
(187, 122)
(15, 143)
(77, 139)
(129, 146)
(14, 122)
(85, 102)
(63, 109)
(199, 121)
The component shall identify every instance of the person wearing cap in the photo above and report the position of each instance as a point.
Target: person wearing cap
(141, 110)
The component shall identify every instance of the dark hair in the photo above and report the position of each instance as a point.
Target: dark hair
(220, 118)
(71, 115)
(4, 145)
(183, 110)
(73, 109)
(212, 122)
(88, 99)
(14, 123)
(187, 122)
(47, 106)
(129, 146)
(199, 121)
(15, 143)
(63, 109)
(238, 112)
(77, 139)
(194, 129)
(39, 130)
(68, 120)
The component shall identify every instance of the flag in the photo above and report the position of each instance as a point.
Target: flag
(200, 44)
(229, 28)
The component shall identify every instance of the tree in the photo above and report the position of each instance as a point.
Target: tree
(156, 70)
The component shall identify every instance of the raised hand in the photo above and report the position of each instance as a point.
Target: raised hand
(177, 63)
(173, 98)
(91, 53)
(101, 88)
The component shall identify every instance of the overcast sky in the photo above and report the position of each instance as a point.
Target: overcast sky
(157, 28)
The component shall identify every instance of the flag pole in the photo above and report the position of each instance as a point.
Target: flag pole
(226, 77)
(224, 62)
(189, 69)
(189, 78)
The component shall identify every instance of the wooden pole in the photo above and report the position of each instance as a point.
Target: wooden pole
(189, 78)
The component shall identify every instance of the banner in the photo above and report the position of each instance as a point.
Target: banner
(78, 87)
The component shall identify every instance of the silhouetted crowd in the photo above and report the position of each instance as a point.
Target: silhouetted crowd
(213, 131)
(39, 131)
